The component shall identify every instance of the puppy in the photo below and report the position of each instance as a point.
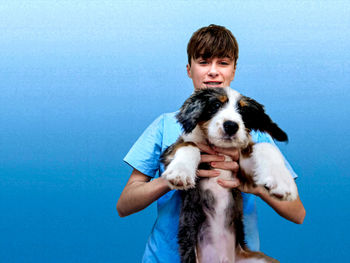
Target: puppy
(211, 227)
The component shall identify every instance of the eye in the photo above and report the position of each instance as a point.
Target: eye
(203, 62)
(225, 62)
(216, 105)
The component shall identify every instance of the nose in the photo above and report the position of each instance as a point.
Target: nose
(230, 127)
(213, 71)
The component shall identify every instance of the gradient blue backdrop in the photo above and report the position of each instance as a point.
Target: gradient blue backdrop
(80, 81)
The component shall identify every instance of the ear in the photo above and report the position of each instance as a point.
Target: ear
(188, 69)
(255, 118)
(191, 111)
(233, 73)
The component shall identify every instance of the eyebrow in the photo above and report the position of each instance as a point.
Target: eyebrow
(202, 57)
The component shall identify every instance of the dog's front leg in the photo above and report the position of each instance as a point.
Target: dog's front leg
(266, 165)
(183, 160)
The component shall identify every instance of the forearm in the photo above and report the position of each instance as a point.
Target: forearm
(290, 210)
(138, 194)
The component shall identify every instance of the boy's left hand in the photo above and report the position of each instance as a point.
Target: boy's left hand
(233, 153)
(234, 167)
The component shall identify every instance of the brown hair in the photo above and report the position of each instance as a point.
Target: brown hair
(212, 41)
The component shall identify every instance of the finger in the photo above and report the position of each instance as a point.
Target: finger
(229, 165)
(229, 183)
(208, 173)
(232, 152)
(206, 148)
(249, 189)
(207, 158)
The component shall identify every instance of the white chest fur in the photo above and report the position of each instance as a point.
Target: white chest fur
(219, 243)
(222, 195)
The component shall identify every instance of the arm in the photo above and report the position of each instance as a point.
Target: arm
(291, 210)
(140, 192)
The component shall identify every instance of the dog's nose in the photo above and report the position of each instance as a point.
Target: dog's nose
(230, 127)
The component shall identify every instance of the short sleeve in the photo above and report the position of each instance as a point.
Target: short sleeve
(265, 137)
(144, 155)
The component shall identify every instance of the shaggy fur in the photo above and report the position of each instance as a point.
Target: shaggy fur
(211, 227)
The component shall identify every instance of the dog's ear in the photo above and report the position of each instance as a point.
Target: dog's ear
(191, 111)
(255, 118)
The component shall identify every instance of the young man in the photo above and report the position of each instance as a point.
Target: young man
(212, 57)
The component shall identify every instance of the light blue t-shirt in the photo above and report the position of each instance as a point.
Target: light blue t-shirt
(144, 156)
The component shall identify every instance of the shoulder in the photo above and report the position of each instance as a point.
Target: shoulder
(145, 153)
(170, 118)
(165, 123)
(169, 121)
(258, 136)
(165, 118)
(171, 129)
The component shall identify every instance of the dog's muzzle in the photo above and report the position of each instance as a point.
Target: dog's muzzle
(230, 128)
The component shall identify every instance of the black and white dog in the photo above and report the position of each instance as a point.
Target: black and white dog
(210, 227)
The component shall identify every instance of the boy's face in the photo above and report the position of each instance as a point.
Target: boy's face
(211, 72)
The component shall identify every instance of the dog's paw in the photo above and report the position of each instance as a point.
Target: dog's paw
(270, 172)
(279, 187)
(277, 181)
(179, 176)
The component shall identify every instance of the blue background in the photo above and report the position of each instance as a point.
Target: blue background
(81, 80)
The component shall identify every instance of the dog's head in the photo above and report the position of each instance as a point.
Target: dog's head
(226, 117)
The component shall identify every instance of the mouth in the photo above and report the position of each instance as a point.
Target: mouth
(222, 139)
(213, 84)
(226, 141)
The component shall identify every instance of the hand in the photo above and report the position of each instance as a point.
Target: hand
(210, 157)
(234, 167)
(235, 183)
(216, 159)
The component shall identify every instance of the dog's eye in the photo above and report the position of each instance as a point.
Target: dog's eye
(216, 105)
